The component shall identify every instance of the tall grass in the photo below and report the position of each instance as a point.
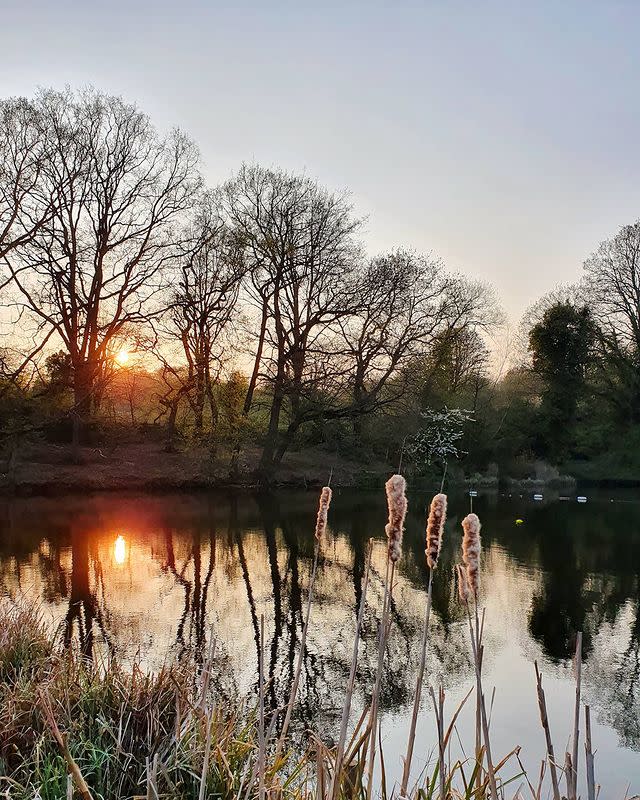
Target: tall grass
(70, 727)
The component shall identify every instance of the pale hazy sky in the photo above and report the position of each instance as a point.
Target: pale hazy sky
(502, 136)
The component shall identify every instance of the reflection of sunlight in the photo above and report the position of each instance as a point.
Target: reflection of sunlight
(120, 550)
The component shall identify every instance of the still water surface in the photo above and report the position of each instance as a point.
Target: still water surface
(152, 577)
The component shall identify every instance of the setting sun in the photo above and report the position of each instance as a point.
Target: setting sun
(122, 357)
(120, 550)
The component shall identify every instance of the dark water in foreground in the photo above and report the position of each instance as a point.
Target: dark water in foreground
(152, 576)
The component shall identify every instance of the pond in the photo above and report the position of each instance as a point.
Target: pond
(151, 577)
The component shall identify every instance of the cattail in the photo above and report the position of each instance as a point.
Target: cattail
(463, 585)
(435, 529)
(471, 551)
(397, 502)
(323, 510)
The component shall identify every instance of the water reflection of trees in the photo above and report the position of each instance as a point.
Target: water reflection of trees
(583, 568)
(84, 613)
(589, 562)
(191, 629)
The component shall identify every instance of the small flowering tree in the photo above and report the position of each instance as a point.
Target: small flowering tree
(439, 438)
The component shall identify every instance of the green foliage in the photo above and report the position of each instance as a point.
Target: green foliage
(561, 345)
(59, 371)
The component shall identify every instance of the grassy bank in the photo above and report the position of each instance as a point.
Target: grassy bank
(108, 732)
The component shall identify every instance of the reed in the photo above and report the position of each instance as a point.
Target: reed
(395, 489)
(471, 550)
(544, 719)
(435, 529)
(346, 708)
(320, 533)
(471, 547)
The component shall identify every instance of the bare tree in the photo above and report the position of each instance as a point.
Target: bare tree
(612, 284)
(203, 303)
(299, 243)
(411, 310)
(25, 206)
(25, 203)
(94, 267)
(406, 300)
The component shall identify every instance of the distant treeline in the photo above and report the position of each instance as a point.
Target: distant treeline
(250, 314)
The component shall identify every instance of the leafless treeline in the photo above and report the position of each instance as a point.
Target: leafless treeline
(109, 239)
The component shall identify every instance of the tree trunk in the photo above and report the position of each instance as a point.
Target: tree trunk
(267, 461)
(83, 380)
(171, 426)
(356, 419)
(256, 365)
(284, 442)
(198, 403)
(83, 385)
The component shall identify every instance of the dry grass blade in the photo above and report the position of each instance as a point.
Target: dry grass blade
(60, 740)
(544, 719)
(568, 776)
(438, 707)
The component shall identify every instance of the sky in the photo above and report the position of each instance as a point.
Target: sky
(500, 136)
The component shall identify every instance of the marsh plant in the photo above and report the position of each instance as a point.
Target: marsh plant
(72, 727)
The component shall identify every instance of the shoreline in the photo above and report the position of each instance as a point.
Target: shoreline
(50, 471)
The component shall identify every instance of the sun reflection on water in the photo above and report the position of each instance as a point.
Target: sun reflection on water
(120, 550)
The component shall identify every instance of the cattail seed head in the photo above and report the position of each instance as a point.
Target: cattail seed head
(323, 510)
(397, 502)
(471, 551)
(464, 592)
(435, 529)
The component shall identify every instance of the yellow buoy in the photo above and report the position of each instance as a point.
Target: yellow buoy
(519, 521)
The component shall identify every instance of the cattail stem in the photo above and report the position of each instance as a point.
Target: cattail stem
(479, 654)
(438, 710)
(382, 640)
(321, 528)
(346, 708)
(441, 743)
(397, 504)
(591, 779)
(418, 693)
(576, 718)
(444, 475)
(435, 530)
(476, 648)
